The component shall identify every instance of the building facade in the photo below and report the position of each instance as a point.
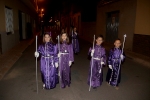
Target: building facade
(131, 17)
(18, 22)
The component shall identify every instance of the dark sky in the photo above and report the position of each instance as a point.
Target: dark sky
(88, 8)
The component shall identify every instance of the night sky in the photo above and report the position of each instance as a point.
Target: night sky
(87, 8)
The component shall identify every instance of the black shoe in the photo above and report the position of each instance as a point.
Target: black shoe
(94, 87)
(76, 53)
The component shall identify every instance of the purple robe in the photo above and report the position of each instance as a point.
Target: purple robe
(75, 42)
(97, 78)
(114, 74)
(64, 67)
(48, 52)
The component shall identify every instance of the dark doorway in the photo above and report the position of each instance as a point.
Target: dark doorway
(0, 45)
(20, 24)
(112, 23)
(29, 30)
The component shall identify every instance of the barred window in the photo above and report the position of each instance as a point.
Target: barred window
(9, 20)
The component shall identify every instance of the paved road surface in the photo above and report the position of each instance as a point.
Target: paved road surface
(19, 82)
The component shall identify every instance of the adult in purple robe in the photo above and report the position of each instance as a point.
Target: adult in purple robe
(66, 59)
(48, 52)
(114, 72)
(99, 59)
(75, 41)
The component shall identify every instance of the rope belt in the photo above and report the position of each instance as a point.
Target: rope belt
(47, 56)
(98, 58)
(64, 53)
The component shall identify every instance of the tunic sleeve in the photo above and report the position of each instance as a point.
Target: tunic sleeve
(57, 48)
(71, 56)
(89, 53)
(40, 49)
(110, 57)
(104, 56)
(55, 53)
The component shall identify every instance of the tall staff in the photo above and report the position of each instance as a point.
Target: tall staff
(59, 60)
(121, 54)
(91, 66)
(36, 68)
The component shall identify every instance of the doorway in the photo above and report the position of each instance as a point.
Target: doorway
(112, 24)
(20, 24)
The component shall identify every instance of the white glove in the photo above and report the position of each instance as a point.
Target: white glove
(56, 65)
(36, 54)
(92, 52)
(100, 71)
(121, 56)
(102, 63)
(59, 73)
(110, 66)
(43, 86)
(59, 55)
(70, 62)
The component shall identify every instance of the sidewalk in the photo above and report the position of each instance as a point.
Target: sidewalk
(141, 59)
(8, 59)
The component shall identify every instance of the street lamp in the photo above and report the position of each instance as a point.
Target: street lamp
(42, 9)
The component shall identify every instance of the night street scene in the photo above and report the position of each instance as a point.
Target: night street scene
(74, 49)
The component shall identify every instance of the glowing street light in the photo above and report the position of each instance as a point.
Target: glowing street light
(50, 20)
(42, 9)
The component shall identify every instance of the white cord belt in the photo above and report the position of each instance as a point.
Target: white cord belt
(64, 53)
(47, 56)
(98, 58)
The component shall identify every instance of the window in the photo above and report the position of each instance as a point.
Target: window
(9, 20)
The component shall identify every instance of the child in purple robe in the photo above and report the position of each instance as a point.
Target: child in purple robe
(75, 41)
(114, 61)
(99, 59)
(66, 58)
(49, 62)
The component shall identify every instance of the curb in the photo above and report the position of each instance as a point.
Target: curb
(137, 59)
(15, 58)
